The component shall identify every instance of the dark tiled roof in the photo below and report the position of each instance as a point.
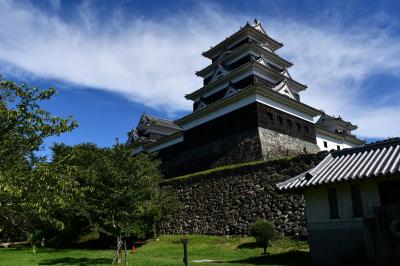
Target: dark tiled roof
(274, 44)
(327, 119)
(161, 122)
(372, 160)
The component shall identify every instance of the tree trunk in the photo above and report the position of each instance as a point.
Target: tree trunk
(265, 247)
(119, 250)
(155, 230)
(117, 258)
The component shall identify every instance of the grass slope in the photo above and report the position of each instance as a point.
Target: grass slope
(226, 168)
(168, 251)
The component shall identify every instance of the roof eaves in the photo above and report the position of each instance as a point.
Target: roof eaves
(278, 75)
(249, 45)
(254, 88)
(276, 45)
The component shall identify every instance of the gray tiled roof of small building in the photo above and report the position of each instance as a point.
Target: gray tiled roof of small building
(372, 160)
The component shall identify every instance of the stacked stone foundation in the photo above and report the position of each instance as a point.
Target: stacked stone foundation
(228, 202)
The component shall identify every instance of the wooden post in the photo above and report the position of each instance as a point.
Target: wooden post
(185, 255)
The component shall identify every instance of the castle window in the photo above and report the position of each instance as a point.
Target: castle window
(280, 120)
(270, 116)
(298, 126)
(333, 203)
(356, 201)
(289, 123)
(325, 144)
(389, 192)
(307, 129)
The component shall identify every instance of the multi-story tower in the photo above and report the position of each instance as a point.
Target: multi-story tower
(248, 109)
(150, 129)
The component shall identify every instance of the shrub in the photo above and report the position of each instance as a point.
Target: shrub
(263, 231)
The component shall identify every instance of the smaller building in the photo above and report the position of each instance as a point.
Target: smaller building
(333, 133)
(353, 205)
(151, 129)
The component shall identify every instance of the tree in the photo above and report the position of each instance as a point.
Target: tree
(23, 124)
(106, 189)
(263, 231)
(30, 191)
(122, 193)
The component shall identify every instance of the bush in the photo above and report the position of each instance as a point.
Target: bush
(263, 231)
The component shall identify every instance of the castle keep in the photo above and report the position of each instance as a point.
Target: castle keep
(248, 109)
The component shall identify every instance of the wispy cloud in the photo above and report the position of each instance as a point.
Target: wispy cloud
(337, 63)
(153, 61)
(150, 62)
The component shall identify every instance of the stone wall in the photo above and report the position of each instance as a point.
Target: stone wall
(227, 202)
(275, 144)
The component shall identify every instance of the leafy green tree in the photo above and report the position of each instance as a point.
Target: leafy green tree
(30, 191)
(263, 231)
(24, 124)
(105, 189)
(122, 196)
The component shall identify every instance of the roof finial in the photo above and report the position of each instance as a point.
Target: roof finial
(256, 21)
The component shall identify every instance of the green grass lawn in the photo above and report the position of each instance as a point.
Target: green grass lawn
(169, 251)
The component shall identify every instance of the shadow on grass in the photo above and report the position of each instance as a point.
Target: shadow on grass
(288, 258)
(251, 245)
(76, 261)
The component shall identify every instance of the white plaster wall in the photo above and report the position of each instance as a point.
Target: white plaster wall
(317, 203)
(331, 239)
(332, 142)
(165, 144)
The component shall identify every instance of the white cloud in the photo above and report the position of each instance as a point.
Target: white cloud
(150, 62)
(336, 64)
(153, 61)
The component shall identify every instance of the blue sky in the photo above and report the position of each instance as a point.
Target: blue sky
(113, 60)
